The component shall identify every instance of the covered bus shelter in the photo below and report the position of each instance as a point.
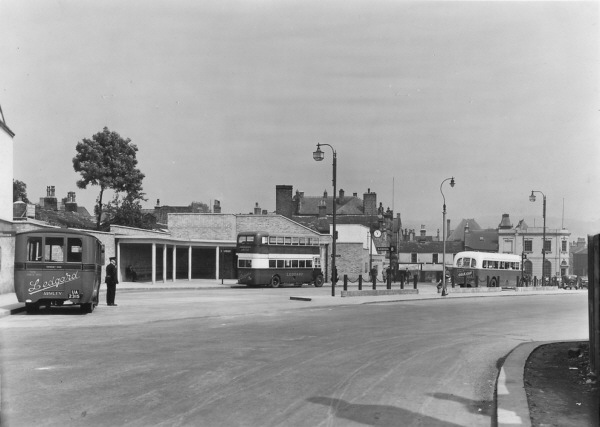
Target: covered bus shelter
(158, 258)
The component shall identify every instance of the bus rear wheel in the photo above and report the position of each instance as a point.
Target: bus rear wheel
(32, 307)
(319, 281)
(88, 307)
(275, 281)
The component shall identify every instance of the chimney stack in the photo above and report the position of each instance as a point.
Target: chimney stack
(71, 205)
(322, 209)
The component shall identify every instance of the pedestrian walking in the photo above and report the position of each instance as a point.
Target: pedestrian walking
(111, 281)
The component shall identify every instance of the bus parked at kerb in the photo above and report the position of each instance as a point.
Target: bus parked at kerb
(479, 269)
(273, 260)
(58, 266)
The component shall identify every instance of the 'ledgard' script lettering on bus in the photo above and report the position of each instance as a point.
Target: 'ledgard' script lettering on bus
(55, 282)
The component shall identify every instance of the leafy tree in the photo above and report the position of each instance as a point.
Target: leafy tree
(127, 211)
(19, 191)
(200, 207)
(110, 162)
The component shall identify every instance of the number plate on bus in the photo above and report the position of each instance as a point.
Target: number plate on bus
(74, 294)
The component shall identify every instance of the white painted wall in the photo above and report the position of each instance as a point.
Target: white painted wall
(6, 174)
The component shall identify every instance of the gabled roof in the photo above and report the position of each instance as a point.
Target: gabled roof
(482, 240)
(309, 205)
(65, 219)
(459, 231)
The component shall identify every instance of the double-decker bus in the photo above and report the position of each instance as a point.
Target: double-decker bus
(58, 266)
(475, 269)
(274, 260)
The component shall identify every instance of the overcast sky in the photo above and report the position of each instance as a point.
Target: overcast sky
(227, 99)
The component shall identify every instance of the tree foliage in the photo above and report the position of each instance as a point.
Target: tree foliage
(110, 162)
(128, 212)
(199, 207)
(19, 191)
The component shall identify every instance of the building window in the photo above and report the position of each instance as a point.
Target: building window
(434, 258)
(548, 246)
(528, 246)
(413, 257)
(564, 245)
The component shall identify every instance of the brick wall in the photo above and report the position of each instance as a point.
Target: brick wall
(272, 224)
(203, 226)
(351, 261)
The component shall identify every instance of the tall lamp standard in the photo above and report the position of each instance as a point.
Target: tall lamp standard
(318, 156)
(532, 199)
(444, 235)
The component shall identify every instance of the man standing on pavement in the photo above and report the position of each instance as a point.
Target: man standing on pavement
(111, 281)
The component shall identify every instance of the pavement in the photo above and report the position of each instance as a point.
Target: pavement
(512, 406)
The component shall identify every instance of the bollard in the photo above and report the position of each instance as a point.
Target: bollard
(401, 282)
(360, 282)
(389, 281)
(415, 281)
(476, 281)
(345, 282)
(374, 282)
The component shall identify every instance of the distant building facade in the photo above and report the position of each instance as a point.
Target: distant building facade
(529, 241)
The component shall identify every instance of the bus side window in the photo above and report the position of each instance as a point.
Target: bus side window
(279, 263)
(302, 263)
(473, 263)
(54, 249)
(34, 249)
(74, 250)
(288, 263)
(272, 263)
(302, 241)
(308, 263)
(484, 265)
(459, 262)
(272, 240)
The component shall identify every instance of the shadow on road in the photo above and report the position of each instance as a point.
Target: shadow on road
(376, 415)
(482, 407)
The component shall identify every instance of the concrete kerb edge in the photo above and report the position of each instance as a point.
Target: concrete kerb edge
(512, 405)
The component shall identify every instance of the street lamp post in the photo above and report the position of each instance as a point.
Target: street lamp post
(318, 156)
(444, 293)
(532, 199)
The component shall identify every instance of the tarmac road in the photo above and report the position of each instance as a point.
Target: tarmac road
(255, 358)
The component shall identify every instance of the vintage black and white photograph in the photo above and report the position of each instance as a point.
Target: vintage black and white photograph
(299, 213)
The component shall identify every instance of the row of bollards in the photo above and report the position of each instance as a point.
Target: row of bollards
(374, 282)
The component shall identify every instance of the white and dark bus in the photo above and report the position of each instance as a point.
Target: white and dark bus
(274, 260)
(480, 269)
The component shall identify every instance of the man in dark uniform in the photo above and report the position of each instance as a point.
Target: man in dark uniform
(111, 281)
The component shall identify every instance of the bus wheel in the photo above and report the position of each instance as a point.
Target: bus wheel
(319, 281)
(31, 307)
(275, 282)
(87, 308)
(493, 282)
